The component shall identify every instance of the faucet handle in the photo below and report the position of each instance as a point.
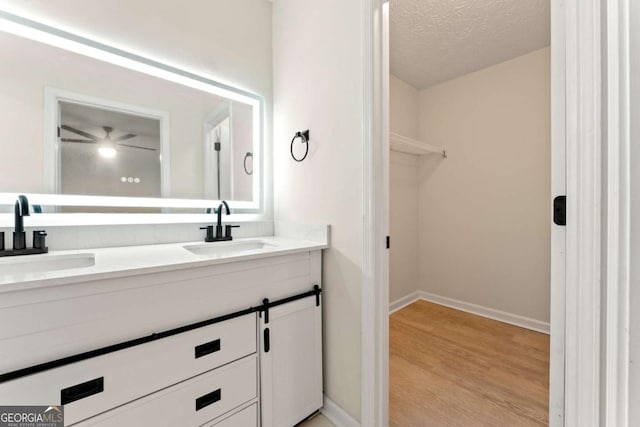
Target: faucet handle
(209, 237)
(39, 241)
(227, 231)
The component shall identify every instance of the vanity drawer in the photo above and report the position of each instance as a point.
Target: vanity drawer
(95, 385)
(248, 417)
(192, 403)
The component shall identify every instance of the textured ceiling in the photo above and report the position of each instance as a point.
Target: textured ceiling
(432, 41)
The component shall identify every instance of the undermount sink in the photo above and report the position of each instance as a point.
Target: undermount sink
(218, 249)
(26, 264)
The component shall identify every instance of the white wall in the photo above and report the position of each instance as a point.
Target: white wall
(403, 109)
(634, 301)
(228, 40)
(403, 194)
(318, 86)
(484, 211)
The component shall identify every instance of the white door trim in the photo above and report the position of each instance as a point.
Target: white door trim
(375, 281)
(584, 209)
(558, 233)
(617, 179)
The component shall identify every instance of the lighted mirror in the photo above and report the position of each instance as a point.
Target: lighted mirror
(97, 127)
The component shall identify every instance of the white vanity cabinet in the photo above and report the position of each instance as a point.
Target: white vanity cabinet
(235, 344)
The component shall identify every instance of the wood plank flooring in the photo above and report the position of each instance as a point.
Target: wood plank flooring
(451, 368)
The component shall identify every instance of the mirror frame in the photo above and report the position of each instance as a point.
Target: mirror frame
(43, 33)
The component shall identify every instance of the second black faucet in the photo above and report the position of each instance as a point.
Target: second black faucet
(219, 236)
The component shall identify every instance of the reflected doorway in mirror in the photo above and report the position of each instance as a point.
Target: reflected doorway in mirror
(97, 141)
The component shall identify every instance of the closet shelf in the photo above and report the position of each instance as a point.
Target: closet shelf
(404, 144)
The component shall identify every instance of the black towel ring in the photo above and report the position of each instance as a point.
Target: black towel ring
(304, 136)
(246, 156)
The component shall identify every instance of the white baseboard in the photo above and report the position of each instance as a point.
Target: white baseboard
(401, 303)
(501, 316)
(337, 415)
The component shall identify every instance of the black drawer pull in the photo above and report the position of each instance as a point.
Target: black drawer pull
(80, 391)
(208, 399)
(207, 348)
(267, 340)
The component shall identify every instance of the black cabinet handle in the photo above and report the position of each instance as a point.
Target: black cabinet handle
(80, 391)
(267, 341)
(208, 399)
(207, 348)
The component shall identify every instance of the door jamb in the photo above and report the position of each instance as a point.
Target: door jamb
(375, 263)
(616, 324)
(558, 233)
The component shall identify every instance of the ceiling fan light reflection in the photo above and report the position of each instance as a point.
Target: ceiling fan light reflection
(107, 152)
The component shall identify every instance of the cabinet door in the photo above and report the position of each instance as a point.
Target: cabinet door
(291, 362)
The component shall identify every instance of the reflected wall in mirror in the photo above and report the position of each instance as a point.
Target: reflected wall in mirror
(83, 126)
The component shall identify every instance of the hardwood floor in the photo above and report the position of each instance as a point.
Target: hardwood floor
(451, 368)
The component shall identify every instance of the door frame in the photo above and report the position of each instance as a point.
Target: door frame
(589, 351)
(582, 286)
(617, 200)
(558, 233)
(375, 260)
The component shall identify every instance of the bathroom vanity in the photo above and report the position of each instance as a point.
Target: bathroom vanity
(224, 334)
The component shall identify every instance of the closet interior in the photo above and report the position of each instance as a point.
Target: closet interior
(470, 218)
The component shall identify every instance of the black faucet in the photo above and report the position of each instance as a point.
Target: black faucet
(20, 210)
(227, 228)
(219, 223)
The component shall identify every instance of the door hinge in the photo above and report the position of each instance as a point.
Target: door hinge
(58, 131)
(560, 210)
(388, 242)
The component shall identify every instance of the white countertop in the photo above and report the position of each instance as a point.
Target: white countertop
(135, 260)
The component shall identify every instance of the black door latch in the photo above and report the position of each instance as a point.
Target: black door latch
(560, 210)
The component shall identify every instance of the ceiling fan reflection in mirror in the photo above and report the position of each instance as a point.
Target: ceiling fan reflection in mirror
(107, 145)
